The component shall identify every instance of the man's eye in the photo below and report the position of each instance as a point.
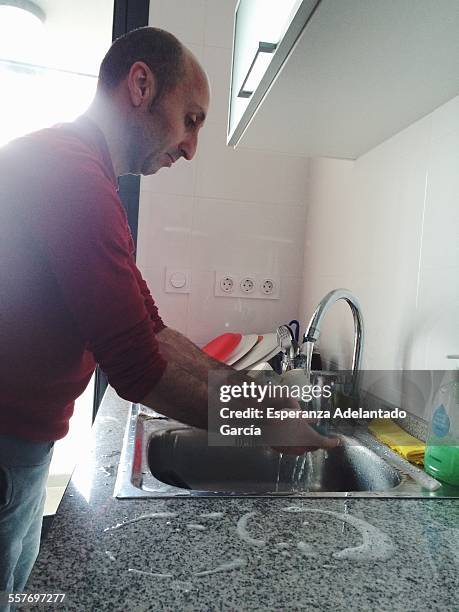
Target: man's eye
(190, 121)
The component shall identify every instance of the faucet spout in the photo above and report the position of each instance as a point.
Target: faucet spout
(312, 332)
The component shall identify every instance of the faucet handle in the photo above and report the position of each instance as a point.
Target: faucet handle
(287, 344)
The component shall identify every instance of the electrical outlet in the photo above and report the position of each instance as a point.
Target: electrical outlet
(268, 286)
(227, 284)
(246, 285)
(224, 284)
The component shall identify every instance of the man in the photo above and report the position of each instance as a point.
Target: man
(71, 295)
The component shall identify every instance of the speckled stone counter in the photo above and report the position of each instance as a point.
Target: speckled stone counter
(240, 554)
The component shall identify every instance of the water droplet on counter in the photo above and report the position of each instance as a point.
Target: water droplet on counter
(293, 509)
(282, 545)
(110, 555)
(306, 549)
(153, 515)
(152, 574)
(225, 567)
(376, 545)
(243, 532)
(183, 585)
(196, 526)
(212, 515)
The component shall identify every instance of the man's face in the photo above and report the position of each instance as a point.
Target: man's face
(169, 129)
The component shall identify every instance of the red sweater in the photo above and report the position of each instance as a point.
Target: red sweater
(71, 295)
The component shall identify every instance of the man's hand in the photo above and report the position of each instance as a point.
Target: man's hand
(298, 431)
(312, 439)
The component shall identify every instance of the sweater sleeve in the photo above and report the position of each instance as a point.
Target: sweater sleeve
(149, 303)
(79, 224)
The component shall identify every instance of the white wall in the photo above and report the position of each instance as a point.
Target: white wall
(387, 227)
(243, 211)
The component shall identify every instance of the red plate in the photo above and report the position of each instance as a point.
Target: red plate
(222, 346)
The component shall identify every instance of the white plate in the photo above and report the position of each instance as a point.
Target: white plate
(245, 345)
(264, 350)
(269, 356)
(262, 366)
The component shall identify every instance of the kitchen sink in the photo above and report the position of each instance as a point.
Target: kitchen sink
(164, 458)
(182, 458)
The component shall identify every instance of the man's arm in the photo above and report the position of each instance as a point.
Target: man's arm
(182, 392)
(172, 342)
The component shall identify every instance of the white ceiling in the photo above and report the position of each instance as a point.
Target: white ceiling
(76, 35)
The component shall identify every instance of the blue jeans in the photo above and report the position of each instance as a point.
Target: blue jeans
(24, 467)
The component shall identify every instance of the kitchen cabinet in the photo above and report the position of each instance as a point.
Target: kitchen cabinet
(344, 76)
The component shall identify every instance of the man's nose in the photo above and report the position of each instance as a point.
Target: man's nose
(189, 146)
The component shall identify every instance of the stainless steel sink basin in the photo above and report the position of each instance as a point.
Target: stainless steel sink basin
(163, 458)
(181, 457)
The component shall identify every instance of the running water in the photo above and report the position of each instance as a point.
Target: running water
(306, 457)
(307, 350)
(295, 480)
(278, 471)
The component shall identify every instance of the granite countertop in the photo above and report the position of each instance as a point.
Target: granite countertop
(240, 554)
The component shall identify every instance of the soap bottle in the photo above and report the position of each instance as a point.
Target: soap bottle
(441, 459)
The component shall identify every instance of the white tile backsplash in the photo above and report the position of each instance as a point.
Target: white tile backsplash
(248, 175)
(180, 179)
(440, 246)
(216, 62)
(248, 237)
(165, 228)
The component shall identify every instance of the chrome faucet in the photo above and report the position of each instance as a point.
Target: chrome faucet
(312, 332)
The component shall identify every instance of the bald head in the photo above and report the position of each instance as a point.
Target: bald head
(161, 51)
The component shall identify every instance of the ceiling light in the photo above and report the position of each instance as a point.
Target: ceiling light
(21, 26)
(257, 69)
(21, 10)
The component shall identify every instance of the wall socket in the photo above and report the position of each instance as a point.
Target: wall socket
(246, 285)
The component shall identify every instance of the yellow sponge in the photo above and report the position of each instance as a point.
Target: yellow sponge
(388, 432)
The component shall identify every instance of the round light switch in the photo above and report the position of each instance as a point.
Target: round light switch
(177, 280)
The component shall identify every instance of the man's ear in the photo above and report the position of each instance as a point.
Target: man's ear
(141, 84)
